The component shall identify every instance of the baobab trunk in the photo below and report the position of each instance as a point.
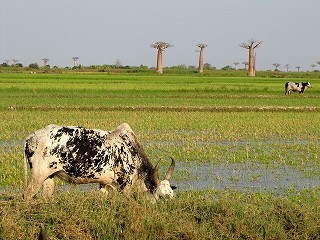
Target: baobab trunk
(201, 46)
(251, 45)
(159, 61)
(160, 46)
(201, 61)
(251, 70)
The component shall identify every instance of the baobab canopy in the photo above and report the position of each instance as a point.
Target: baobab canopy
(161, 45)
(251, 44)
(202, 45)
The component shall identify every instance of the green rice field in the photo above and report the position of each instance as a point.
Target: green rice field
(232, 138)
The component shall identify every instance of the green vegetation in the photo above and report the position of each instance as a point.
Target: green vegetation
(197, 119)
(110, 91)
(191, 215)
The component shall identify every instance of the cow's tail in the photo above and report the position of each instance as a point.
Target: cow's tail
(25, 165)
(28, 152)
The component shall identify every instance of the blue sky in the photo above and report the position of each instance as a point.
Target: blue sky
(102, 31)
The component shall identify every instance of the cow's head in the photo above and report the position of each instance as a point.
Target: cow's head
(308, 85)
(163, 188)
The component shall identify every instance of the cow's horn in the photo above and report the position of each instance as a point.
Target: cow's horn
(170, 171)
(155, 176)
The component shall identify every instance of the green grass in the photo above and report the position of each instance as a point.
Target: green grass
(191, 215)
(195, 119)
(43, 90)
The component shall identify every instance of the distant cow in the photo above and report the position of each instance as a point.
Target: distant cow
(296, 87)
(114, 159)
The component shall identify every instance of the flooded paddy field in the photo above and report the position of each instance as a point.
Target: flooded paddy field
(249, 177)
(225, 133)
(247, 157)
(271, 174)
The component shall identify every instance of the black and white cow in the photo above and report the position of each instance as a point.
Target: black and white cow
(296, 87)
(114, 159)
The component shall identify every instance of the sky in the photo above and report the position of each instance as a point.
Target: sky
(102, 31)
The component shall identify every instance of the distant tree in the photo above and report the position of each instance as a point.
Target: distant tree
(117, 63)
(182, 66)
(251, 45)
(245, 65)
(143, 66)
(45, 61)
(313, 66)
(287, 67)
(228, 67)
(76, 67)
(34, 65)
(318, 62)
(201, 46)
(75, 61)
(192, 67)
(161, 46)
(236, 65)
(208, 66)
(298, 67)
(15, 62)
(4, 64)
(276, 65)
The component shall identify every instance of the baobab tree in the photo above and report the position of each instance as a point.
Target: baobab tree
(276, 65)
(251, 45)
(298, 67)
(313, 66)
(245, 65)
(45, 61)
(75, 61)
(201, 46)
(161, 46)
(287, 67)
(117, 63)
(15, 62)
(236, 65)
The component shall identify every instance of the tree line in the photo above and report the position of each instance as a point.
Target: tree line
(249, 65)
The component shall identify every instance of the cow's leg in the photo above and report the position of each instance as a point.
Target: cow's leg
(48, 187)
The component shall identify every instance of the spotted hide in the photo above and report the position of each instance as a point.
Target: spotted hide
(296, 87)
(114, 159)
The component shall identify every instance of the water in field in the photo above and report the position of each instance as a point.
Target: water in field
(245, 177)
(252, 177)
(248, 177)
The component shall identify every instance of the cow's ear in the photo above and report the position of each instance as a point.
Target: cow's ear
(173, 187)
